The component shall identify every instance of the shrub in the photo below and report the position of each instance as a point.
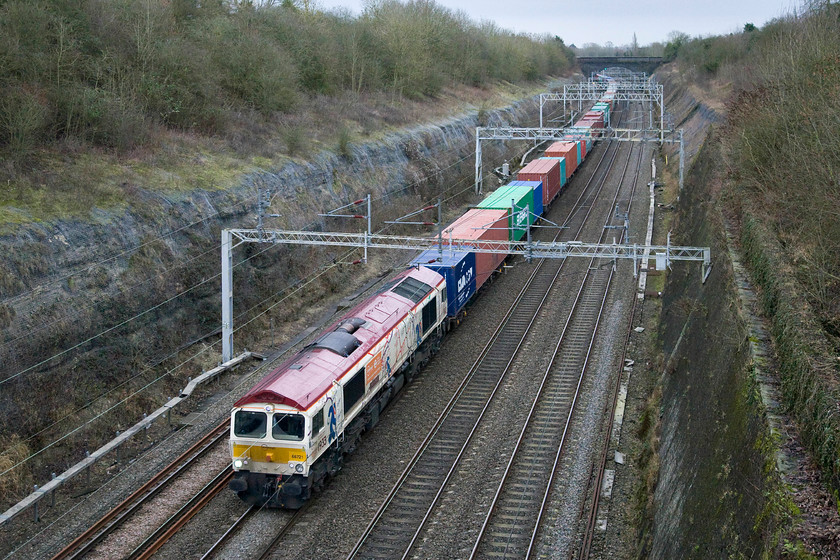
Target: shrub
(344, 138)
(23, 117)
(295, 139)
(252, 67)
(785, 154)
(107, 72)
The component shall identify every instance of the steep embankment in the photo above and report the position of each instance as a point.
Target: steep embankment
(726, 451)
(110, 304)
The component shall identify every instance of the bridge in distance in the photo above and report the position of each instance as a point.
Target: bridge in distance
(648, 64)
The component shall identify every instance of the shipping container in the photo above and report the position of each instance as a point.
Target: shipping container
(563, 179)
(581, 147)
(569, 152)
(548, 172)
(481, 224)
(597, 119)
(520, 202)
(595, 124)
(605, 109)
(458, 268)
(578, 133)
(539, 192)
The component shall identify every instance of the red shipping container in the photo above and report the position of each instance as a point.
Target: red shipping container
(597, 123)
(583, 145)
(483, 224)
(566, 150)
(547, 171)
(594, 116)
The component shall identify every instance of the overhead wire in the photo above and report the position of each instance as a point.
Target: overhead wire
(111, 329)
(175, 297)
(124, 322)
(139, 374)
(89, 304)
(147, 385)
(160, 237)
(123, 253)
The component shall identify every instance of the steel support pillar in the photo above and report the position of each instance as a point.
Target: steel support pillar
(682, 163)
(478, 171)
(542, 104)
(661, 122)
(227, 295)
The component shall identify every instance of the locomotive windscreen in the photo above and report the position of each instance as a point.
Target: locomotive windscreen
(249, 424)
(412, 289)
(287, 427)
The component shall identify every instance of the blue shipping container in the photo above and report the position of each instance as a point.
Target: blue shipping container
(458, 268)
(538, 194)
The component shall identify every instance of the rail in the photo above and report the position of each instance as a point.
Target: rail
(400, 518)
(85, 542)
(92, 458)
(514, 517)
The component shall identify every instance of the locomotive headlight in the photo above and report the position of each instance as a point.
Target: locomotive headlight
(299, 467)
(238, 464)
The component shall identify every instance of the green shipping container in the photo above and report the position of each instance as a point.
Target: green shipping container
(523, 200)
(603, 107)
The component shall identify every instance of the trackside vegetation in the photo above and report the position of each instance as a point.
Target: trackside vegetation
(113, 73)
(784, 166)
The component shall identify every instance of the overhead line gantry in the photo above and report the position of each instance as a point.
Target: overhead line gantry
(665, 254)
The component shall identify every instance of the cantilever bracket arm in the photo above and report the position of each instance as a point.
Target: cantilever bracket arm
(707, 264)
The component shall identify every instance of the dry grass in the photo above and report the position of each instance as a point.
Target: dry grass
(12, 451)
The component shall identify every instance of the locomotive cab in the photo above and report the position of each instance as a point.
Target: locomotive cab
(269, 449)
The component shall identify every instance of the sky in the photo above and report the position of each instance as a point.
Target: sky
(599, 21)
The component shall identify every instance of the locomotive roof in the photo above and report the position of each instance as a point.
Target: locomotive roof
(301, 380)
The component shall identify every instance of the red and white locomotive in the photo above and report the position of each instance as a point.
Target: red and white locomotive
(291, 431)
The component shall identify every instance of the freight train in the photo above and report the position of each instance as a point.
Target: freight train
(292, 430)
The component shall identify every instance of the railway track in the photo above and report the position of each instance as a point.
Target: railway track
(396, 525)
(288, 521)
(87, 541)
(163, 533)
(240, 522)
(513, 520)
(510, 525)
(597, 475)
